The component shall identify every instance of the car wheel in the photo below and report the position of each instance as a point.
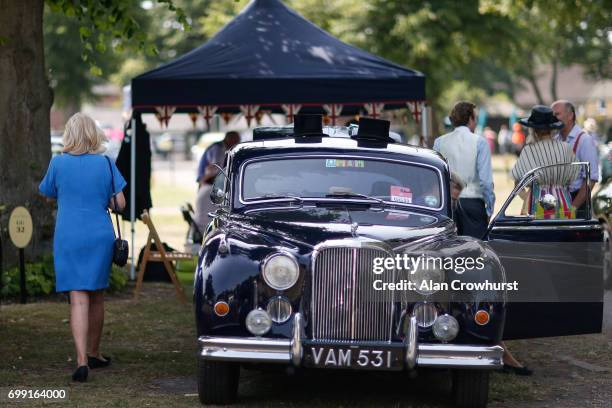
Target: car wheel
(217, 382)
(471, 388)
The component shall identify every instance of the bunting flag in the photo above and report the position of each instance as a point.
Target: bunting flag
(258, 117)
(291, 111)
(207, 112)
(249, 112)
(416, 108)
(164, 113)
(227, 117)
(333, 111)
(374, 109)
(194, 118)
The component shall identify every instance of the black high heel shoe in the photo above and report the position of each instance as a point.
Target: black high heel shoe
(523, 371)
(80, 374)
(94, 362)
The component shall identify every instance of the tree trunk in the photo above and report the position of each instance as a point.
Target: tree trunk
(553, 79)
(25, 101)
(536, 89)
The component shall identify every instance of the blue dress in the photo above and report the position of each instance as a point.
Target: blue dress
(84, 235)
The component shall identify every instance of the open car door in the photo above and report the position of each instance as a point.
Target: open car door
(556, 261)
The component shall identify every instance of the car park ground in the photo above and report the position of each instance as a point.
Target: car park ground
(153, 346)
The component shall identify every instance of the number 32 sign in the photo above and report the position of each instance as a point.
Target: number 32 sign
(20, 227)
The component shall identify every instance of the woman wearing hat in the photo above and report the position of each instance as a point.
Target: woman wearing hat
(555, 181)
(545, 151)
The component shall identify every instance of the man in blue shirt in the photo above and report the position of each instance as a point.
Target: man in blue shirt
(469, 157)
(585, 149)
(215, 154)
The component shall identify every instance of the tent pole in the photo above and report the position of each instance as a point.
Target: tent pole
(133, 195)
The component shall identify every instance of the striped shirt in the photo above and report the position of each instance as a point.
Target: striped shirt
(543, 153)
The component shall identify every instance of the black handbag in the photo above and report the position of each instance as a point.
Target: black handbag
(121, 251)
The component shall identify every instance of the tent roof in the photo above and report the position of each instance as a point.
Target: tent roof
(270, 55)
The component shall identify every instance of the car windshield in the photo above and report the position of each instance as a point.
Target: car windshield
(342, 178)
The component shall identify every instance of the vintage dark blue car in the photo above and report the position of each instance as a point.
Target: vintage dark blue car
(286, 274)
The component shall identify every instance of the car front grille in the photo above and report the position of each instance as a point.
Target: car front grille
(344, 305)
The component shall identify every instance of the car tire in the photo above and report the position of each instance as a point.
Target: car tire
(218, 382)
(471, 388)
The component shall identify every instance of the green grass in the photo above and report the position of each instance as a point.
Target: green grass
(149, 339)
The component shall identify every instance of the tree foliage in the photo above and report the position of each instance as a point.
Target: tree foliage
(69, 75)
(493, 45)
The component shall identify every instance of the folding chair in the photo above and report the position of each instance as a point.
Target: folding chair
(160, 255)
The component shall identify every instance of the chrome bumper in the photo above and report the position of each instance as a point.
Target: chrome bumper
(283, 351)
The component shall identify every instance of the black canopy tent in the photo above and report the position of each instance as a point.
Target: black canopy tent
(269, 58)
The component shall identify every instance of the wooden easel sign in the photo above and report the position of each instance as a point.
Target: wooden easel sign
(160, 255)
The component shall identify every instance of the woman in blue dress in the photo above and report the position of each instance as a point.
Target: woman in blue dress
(80, 181)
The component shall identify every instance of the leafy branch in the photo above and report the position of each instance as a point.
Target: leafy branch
(110, 19)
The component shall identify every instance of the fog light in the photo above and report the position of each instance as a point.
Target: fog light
(258, 322)
(481, 317)
(425, 313)
(445, 328)
(221, 308)
(279, 309)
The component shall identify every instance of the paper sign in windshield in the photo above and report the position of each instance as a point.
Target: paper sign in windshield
(401, 194)
(344, 163)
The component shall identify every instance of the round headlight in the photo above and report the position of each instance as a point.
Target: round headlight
(445, 328)
(279, 309)
(258, 322)
(426, 279)
(280, 271)
(425, 313)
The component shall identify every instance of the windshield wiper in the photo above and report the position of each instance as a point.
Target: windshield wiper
(284, 197)
(381, 202)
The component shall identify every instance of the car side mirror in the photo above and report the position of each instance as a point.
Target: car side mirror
(217, 193)
(216, 196)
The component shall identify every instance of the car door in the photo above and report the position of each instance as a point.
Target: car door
(557, 264)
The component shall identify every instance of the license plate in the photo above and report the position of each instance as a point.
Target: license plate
(354, 357)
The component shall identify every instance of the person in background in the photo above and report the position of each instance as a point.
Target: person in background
(215, 154)
(207, 171)
(80, 181)
(468, 155)
(518, 138)
(585, 149)
(491, 137)
(504, 140)
(590, 126)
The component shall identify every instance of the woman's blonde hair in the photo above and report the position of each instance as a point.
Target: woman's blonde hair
(82, 135)
(537, 135)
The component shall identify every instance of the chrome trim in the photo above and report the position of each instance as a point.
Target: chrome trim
(364, 327)
(247, 349)
(411, 343)
(547, 227)
(273, 255)
(456, 355)
(297, 350)
(350, 156)
(284, 351)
